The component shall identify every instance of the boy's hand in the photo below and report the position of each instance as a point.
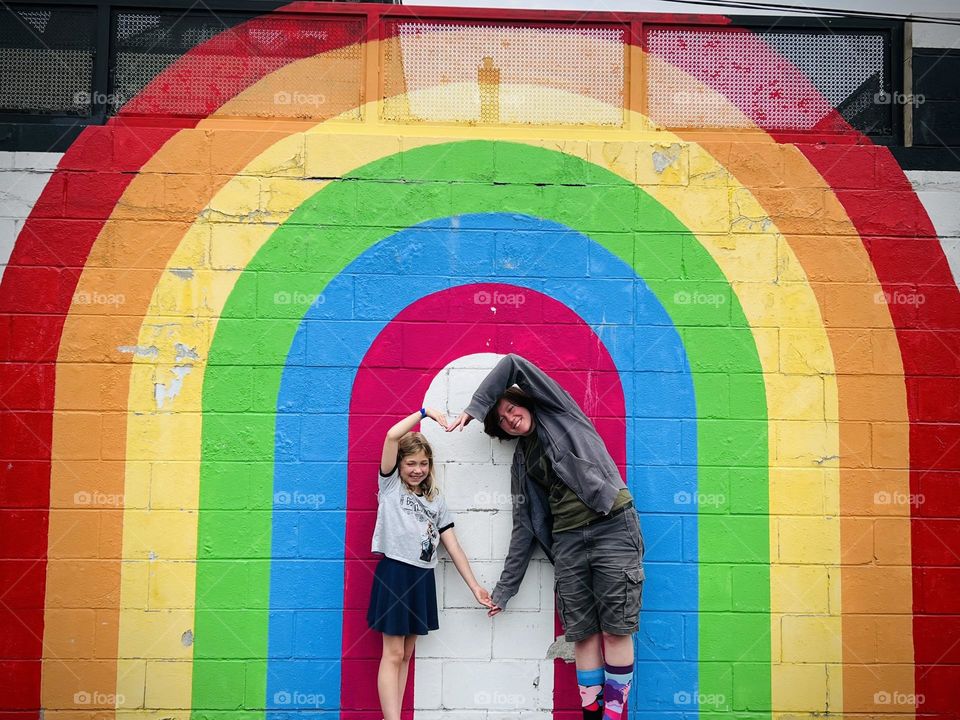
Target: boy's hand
(494, 610)
(461, 422)
(482, 596)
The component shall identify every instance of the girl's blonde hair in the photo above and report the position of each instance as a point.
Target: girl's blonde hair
(411, 444)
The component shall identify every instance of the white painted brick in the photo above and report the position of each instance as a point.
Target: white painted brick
(19, 191)
(942, 207)
(523, 636)
(473, 532)
(483, 361)
(8, 234)
(36, 160)
(427, 681)
(447, 715)
(458, 595)
(6, 160)
(545, 688)
(463, 383)
(929, 35)
(933, 180)
(456, 446)
(473, 486)
(466, 634)
(503, 686)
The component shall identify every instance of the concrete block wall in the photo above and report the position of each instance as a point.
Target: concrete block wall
(205, 331)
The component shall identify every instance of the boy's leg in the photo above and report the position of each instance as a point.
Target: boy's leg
(388, 678)
(590, 676)
(616, 689)
(617, 571)
(409, 643)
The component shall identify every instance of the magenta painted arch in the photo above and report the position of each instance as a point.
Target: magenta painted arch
(382, 392)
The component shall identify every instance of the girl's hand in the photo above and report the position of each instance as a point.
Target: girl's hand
(460, 422)
(438, 417)
(494, 610)
(482, 596)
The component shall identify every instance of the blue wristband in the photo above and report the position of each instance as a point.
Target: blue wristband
(423, 413)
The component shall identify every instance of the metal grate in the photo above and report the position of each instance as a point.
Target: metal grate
(843, 71)
(46, 60)
(232, 54)
(446, 72)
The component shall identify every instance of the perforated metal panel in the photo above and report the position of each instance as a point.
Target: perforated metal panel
(494, 74)
(46, 60)
(232, 53)
(834, 70)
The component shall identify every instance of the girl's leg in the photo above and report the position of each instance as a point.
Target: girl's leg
(409, 643)
(388, 678)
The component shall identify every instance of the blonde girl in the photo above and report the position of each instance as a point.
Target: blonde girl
(412, 521)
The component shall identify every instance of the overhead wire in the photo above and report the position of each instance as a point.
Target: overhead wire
(820, 11)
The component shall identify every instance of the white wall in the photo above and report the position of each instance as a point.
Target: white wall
(479, 668)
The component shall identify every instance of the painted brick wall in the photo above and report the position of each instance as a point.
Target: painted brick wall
(206, 330)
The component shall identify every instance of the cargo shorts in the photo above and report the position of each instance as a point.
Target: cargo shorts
(599, 576)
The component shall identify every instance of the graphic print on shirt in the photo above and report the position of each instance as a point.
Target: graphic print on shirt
(430, 536)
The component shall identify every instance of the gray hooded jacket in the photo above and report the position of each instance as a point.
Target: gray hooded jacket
(571, 442)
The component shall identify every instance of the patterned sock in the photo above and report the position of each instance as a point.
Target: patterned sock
(590, 683)
(616, 689)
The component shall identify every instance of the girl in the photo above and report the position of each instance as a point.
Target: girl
(412, 518)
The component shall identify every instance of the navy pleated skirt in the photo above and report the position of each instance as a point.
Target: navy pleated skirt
(403, 600)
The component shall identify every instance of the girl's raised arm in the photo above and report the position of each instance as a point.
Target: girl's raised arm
(388, 458)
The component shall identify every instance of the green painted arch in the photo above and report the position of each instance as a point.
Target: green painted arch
(347, 217)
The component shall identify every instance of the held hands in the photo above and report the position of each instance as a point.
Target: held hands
(482, 596)
(461, 422)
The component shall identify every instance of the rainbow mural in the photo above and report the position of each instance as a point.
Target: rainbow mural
(719, 302)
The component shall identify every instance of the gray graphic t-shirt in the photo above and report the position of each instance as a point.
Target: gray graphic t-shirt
(408, 526)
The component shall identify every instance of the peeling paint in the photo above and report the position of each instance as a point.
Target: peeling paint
(162, 393)
(187, 638)
(184, 352)
(151, 351)
(663, 160)
(560, 649)
(182, 273)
